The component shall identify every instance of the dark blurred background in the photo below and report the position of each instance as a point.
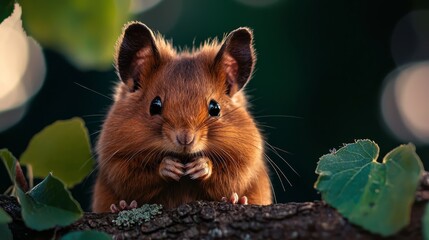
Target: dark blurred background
(328, 72)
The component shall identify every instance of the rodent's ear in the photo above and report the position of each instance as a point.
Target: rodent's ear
(136, 55)
(237, 59)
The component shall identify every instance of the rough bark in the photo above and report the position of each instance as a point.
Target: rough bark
(217, 220)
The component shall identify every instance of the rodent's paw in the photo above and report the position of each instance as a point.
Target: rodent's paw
(234, 199)
(199, 168)
(123, 205)
(171, 168)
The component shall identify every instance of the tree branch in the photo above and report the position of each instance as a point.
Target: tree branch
(210, 220)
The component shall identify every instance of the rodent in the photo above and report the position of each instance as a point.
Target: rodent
(179, 129)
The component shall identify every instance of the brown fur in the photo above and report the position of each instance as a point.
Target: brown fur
(132, 142)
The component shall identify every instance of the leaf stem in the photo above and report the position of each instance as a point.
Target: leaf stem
(20, 178)
(30, 175)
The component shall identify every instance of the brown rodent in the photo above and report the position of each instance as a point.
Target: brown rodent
(179, 129)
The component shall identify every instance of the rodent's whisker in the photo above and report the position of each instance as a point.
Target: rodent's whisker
(279, 149)
(144, 161)
(93, 157)
(167, 123)
(278, 116)
(131, 158)
(219, 132)
(111, 156)
(94, 115)
(272, 189)
(223, 161)
(209, 121)
(153, 154)
(93, 122)
(273, 149)
(275, 167)
(214, 155)
(232, 111)
(231, 160)
(280, 170)
(95, 132)
(265, 126)
(89, 89)
(275, 170)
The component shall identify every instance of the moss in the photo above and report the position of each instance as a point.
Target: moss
(137, 216)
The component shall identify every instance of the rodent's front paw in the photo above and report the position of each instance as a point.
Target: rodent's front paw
(171, 168)
(200, 168)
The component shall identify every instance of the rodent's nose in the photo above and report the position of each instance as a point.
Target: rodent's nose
(185, 137)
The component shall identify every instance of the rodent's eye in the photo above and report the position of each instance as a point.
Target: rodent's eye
(156, 106)
(214, 108)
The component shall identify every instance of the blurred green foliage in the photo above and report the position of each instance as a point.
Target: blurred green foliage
(5, 233)
(84, 31)
(9, 162)
(4, 217)
(62, 148)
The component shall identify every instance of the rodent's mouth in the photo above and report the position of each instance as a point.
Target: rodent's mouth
(184, 157)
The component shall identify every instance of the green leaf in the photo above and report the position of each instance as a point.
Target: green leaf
(425, 223)
(6, 8)
(376, 196)
(62, 148)
(48, 204)
(4, 228)
(83, 235)
(4, 217)
(84, 31)
(10, 163)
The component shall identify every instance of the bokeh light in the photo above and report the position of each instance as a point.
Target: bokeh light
(410, 38)
(22, 69)
(405, 102)
(170, 11)
(139, 6)
(405, 97)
